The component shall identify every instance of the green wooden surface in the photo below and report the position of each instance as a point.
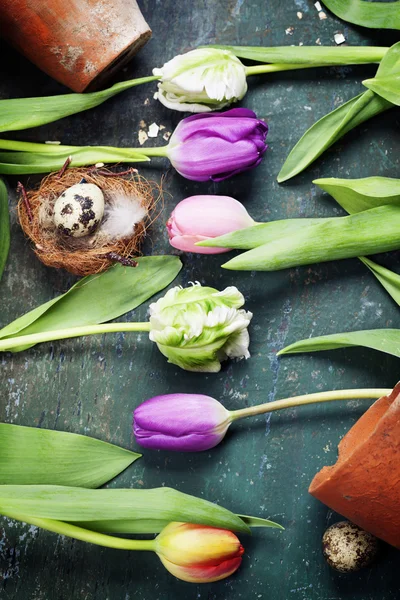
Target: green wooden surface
(91, 386)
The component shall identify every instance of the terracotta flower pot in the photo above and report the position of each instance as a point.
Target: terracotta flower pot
(78, 42)
(364, 484)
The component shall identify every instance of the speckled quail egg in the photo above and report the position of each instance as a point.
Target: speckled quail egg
(79, 210)
(347, 547)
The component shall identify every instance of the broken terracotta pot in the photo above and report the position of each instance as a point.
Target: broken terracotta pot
(80, 44)
(364, 484)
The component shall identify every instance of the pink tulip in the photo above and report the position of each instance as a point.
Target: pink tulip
(199, 218)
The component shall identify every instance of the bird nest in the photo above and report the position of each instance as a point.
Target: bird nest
(96, 252)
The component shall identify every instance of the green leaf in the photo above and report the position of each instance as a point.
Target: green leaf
(309, 55)
(156, 525)
(386, 83)
(39, 456)
(98, 298)
(258, 522)
(259, 234)
(387, 87)
(4, 227)
(376, 15)
(336, 124)
(389, 279)
(368, 232)
(384, 340)
(22, 113)
(74, 505)
(329, 130)
(135, 525)
(356, 195)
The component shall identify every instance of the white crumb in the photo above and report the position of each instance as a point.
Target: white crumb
(318, 6)
(322, 15)
(299, 15)
(142, 137)
(289, 31)
(339, 38)
(153, 130)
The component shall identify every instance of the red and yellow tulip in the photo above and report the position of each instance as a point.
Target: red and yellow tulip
(198, 553)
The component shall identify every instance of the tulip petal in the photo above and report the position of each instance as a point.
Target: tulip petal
(203, 573)
(187, 243)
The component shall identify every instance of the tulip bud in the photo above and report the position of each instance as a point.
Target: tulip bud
(198, 327)
(180, 422)
(198, 553)
(217, 146)
(200, 218)
(201, 80)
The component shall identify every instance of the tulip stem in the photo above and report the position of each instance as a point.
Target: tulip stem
(60, 334)
(41, 148)
(160, 151)
(275, 68)
(85, 535)
(357, 394)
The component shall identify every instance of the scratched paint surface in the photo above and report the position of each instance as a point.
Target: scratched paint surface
(91, 386)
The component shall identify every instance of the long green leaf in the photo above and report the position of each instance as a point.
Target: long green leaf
(98, 298)
(309, 55)
(389, 279)
(4, 227)
(259, 234)
(76, 505)
(367, 232)
(134, 525)
(329, 130)
(376, 15)
(157, 525)
(356, 195)
(29, 455)
(384, 340)
(22, 113)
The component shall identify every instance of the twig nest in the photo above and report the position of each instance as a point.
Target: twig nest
(347, 547)
(84, 220)
(79, 210)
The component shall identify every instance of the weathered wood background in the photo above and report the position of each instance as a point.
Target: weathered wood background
(91, 385)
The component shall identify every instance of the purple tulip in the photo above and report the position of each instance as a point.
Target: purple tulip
(180, 422)
(200, 218)
(217, 146)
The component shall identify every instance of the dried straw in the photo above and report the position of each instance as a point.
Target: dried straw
(87, 255)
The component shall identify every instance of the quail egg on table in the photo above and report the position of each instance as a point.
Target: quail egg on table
(79, 210)
(347, 547)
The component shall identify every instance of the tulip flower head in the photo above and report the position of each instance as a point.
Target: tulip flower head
(201, 80)
(217, 146)
(198, 327)
(184, 422)
(198, 553)
(200, 218)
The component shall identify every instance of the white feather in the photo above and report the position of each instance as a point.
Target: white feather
(121, 214)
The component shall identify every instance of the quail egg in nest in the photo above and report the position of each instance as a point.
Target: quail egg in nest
(79, 210)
